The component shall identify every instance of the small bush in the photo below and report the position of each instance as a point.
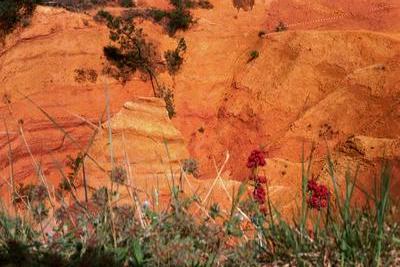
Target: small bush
(190, 166)
(179, 19)
(243, 4)
(30, 193)
(157, 14)
(253, 55)
(126, 3)
(118, 175)
(205, 4)
(85, 75)
(281, 27)
(174, 58)
(168, 95)
(261, 34)
(102, 16)
(13, 12)
(100, 196)
(182, 3)
(79, 5)
(130, 51)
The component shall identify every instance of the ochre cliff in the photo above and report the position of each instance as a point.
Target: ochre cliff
(331, 80)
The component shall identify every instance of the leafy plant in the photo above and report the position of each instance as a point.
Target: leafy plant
(106, 233)
(157, 14)
(102, 16)
(174, 58)
(118, 175)
(182, 3)
(261, 34)
(126, 3)
(180, 18)
(281, 27)
(190, 166)
(83, 75)
(168, 95)
(205, 4)
(253, 55)
(79, 5)
(131, 51)
(243, 4)
(13, 12)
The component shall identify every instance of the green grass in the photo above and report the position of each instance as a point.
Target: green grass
(109, 235)
(41, 229)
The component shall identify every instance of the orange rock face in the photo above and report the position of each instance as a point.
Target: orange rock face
(332, 80)
(146, 144)
(308, 86)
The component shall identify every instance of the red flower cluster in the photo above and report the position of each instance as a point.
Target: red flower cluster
(312, 185)
(256, 158)
(259, 179)
(319, 195)
(259, 194)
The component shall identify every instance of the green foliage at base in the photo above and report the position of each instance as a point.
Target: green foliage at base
(143, 235)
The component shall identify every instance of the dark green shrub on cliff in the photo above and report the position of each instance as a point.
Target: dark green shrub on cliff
(157, 14)
(182, 3)
(79, 5)
(126, 3)
(179, 19)
(13, 12)
(102, 16)
(174, 58)
(253, 55)
(130, 51)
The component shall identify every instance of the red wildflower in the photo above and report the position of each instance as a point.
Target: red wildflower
(317, 203)
(259, 194)
(263, 210)
(322, 191)
(256, 158)
(262, 179)
(312, 185)
(324, 203)
(319, 195)
(313, 202)
(259, 179)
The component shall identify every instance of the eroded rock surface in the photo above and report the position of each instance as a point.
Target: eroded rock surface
(146, 144)
(332, 80)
